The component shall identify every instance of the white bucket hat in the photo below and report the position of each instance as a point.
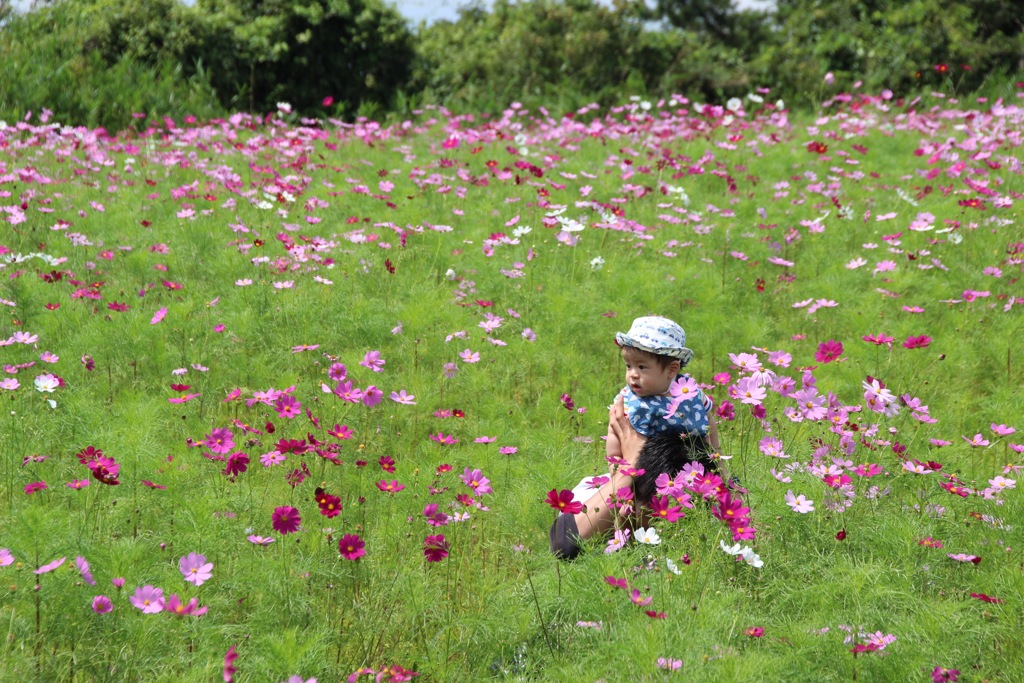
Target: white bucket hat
(657, 335)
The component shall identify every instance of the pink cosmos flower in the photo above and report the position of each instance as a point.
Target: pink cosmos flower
(476, 480)
(340, 432)
(35, 486)
(288, 406)
(508, 450)
(485, 439)
(963, 557)
(372, 396)
(442, 438)
(285, 520)
(434, 517)
(83, 568)
(390, 486)
(5, 557)
(351, 547)
(661, 506)
(748, 391)
(373, 361)
(148, 599)
(637, 599)
(879, 339)
(101, 604)
(260, 540)
(195, 568)
(50, 566)
(941, 675)
(176, 607)
(337, 372)
(469, 356)
(220, 441)
(799, 503)
(1002, 430)
(977, 442)
(617, 541)
(403, 398)
(669, 664)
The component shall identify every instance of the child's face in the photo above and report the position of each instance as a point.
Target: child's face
(644, 375)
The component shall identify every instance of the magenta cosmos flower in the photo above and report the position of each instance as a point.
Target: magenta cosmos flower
(229, 664)
(286, 520)
(828, 351)
(195, 568)
(918, 342)
(563, 502)
(101, 604)
(351, 547)
(435, 548)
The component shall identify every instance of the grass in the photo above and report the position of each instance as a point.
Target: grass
(499, 606)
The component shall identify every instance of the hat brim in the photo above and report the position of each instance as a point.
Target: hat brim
(623, 339)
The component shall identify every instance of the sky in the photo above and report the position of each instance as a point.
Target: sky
(434, 10)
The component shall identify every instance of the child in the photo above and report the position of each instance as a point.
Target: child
(654, 351)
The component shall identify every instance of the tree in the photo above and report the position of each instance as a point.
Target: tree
(897, 44)
(260, 52)
(563, 54)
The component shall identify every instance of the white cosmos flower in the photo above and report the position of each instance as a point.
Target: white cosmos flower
(647, 536)
(731, 549)
(672, 567)
(47, 383)
(752, 558)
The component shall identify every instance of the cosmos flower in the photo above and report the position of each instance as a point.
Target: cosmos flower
(285, 520)
(195, 568)
(435, 548)
(148, 599)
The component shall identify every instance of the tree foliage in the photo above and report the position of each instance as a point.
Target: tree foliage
(301, 51)
(897, 44)
(98, 61)
(536, 50)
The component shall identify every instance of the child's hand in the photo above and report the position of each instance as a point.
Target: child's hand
(630, 441)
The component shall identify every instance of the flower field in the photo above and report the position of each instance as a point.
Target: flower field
(291, 398)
